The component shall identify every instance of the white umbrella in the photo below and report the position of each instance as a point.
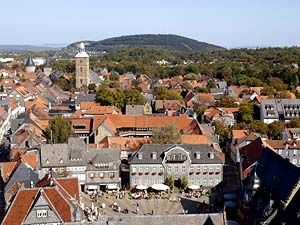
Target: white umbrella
(141, 187)
(193, 187)
(160, 187)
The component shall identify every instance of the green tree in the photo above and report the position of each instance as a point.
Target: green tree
(166, 135)
(227, 101)
(268, 90)
(162, 93)
(170, 181)
(59, 130)
(259, 127)
(275, 128)
(211, 84)
(294, 123)
(63, 83)
(92, 87)
(191, 76)
(119, 98)
(134, 97)
(105, 97)
(114, 76)
(222, 131)
(186, 85)
(277, 83)
(245, 113)
(184, 183)
(1, 88)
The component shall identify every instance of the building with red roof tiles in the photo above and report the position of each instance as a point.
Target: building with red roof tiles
(49, 204)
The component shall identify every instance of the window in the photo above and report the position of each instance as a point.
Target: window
(41, 213)
(101, 175)
(81, 69)
(80, 60)
(169, 169)
(176, 169)
(295, 152)
(183, 169)
(147, 169)
(134, 169)
(81, 81)
(198, 168)
(111, 175)
(92, 175)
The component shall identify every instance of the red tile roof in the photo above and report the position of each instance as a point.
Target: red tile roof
(20, 207)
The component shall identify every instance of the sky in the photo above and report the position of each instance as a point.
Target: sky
(229, 23)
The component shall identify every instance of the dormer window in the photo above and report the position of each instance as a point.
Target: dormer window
(153, 155)
(41, 213)
(140, 156)
(197, 155)
(47, 161)
(61, 161)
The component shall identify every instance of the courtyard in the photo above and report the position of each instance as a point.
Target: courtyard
(124, 204)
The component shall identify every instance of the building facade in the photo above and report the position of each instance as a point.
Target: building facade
(279, 109)
(154, 163)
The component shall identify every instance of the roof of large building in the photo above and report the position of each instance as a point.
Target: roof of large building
(147, 150)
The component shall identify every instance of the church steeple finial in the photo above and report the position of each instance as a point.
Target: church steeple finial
(81, 47)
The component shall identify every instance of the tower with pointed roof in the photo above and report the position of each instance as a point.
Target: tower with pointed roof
(29, 66)
(82, 69)
(47, 68)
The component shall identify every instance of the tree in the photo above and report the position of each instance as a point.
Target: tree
(245, 113)
(119, 98)
(1, 88)
(162, 93)
(222, 131)
(184, 183)
(114, 76)
(294, 123)
(170, 181)
(92, 87)
(105, 97)
(134, 97)
(275, 128)
(211, 84)
(59, 130)
(191, 76)
(63, 83)
(186, 85)
(259, 127)
(269, 91)
(227, 101)
(277, 83)
(166, 135)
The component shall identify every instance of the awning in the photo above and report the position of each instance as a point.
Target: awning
(160, 187)
(141, 187)
(111, 186)
(193, 187)
(92, 187)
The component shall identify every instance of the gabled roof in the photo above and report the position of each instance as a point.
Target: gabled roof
(124, 143)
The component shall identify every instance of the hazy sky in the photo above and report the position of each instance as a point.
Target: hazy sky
(230, 23)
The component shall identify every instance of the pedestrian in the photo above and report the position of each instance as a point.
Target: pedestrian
(137, 204)
(152, 212)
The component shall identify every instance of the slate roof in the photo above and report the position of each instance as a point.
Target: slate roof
(29, 62)
(57, 155)
(22, 174)
(147, 150)
(95, 79)
(93, 157)
(85, 98)
(134, 109)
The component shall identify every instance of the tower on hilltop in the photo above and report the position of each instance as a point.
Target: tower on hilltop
(82, 67)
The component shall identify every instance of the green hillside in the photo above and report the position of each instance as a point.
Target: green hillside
(165, 41)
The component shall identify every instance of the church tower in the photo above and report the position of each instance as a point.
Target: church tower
(82, 69)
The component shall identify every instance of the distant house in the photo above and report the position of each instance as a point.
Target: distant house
(290, 134)
(154, 163)
(56, 203)
(287, 149)
(279, 109)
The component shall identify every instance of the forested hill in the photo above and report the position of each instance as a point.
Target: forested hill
(165, 41)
